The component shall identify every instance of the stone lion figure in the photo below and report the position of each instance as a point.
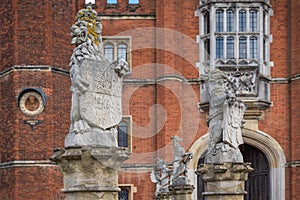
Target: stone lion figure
(96, 85)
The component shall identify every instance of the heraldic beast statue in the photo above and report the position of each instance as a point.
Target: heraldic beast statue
(96, 85)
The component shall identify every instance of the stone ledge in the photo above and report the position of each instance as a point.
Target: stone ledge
(224, 172)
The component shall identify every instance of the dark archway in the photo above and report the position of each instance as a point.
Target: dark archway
(258, 184)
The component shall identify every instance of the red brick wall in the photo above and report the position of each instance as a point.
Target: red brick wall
(6, 33)
(294, 72)
(37, 33)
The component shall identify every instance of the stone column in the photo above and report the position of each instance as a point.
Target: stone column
(224, 181)
(90, 172)
(182, 192)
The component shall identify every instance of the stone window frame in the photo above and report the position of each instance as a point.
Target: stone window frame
(131, 189)
(236, 33)
(116, 41)
(128, 120)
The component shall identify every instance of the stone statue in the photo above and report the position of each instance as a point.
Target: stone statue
(225, 120)
(161, 176)
(181, 160)
(96, 85)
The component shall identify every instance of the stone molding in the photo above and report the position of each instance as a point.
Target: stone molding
(27, 163)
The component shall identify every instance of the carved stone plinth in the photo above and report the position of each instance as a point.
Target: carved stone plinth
(183, 192)
(90, 172)
(163, 196)
(224, 181)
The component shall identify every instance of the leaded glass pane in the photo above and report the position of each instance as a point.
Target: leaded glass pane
(230, 20)
(122, 51)
(109, 51)
(133, 1)
(242, 48)
(219, 21)
(253, 48)
(253, 20)
(242, 21)
(112, 1)
(123, 134)
(219, 48)
(230, 48)
(207, 49)
(206, 23)
(123, 194)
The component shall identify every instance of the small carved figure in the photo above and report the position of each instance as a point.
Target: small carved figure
(32, 103)
(161, 176)
(181, 160)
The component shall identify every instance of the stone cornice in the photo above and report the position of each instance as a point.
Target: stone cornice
(126, 16)
(34, 68)
(27, 163)
(295, 163)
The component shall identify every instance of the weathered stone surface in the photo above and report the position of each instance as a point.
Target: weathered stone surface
(225, 119)
(96, 84)
(163, 196)
(226, 181)
(183, 192)
(161, 176)
(94, 136)
(181, 160)
(90, 172)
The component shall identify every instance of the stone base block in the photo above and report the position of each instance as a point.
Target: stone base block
(163, 196)
(90, 172)
(183, 192)
(95, 136)
(224, 181)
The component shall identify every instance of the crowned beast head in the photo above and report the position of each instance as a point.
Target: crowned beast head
(87, 27)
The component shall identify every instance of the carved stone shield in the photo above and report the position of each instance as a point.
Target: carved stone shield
(101, 104)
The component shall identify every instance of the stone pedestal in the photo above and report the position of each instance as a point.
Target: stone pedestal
(183, 192)
(224, 181)
(90, 172)
(163, 196)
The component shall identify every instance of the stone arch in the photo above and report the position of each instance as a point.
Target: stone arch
(264, 142)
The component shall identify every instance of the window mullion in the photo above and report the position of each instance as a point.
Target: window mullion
(225, 47)
(212, 38)
(115, 51)
(261, 36)
(237, 50)
(247, 20)
(248, 47)
(225, 20)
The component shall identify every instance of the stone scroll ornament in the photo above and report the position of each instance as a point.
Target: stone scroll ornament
(96, 85)
(225, 120)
